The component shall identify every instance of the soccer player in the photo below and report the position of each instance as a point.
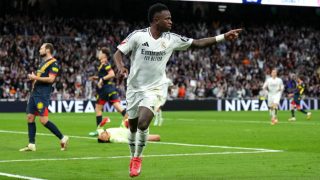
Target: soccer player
(40, 96)
(295, 102)
(106, 90)
(158, 114)
(274, 86)
(118, 135)
(150, 50)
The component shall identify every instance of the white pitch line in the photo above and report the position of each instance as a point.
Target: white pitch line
(44, 134)
(121, 157)
(165, 143)
(240, 121)
(19, 177)
(212, 146)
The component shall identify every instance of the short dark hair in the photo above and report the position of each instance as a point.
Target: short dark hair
(50, 47)
(158, 7)
(106, 51)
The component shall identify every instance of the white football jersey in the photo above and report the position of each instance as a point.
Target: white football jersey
(118, 135)
(149, 57)
(273, 86)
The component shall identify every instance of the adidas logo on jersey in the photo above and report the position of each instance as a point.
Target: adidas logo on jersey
(145, 44)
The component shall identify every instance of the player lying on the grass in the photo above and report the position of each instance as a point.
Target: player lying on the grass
(150, 49)
(119, 134)
(297, 97)
(106, 90)
(274, 87)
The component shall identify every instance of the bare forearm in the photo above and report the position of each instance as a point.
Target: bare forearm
(118, 59)
(206, 42)
(45, 79)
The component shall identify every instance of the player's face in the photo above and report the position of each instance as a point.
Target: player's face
(101, 56)
(42, 51)
(274, 73)
(104, 136)
(163, 20)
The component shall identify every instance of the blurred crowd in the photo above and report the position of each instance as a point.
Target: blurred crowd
(234, 70)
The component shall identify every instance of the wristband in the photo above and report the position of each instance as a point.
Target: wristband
(220, 38)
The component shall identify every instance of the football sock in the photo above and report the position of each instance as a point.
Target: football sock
(303, 111)
(160, 117)
(273, 113)
(292, 112)
(53, 128)
(142, 137)
(156, 119)
(32, 132)
(132, 142)
(98, 120)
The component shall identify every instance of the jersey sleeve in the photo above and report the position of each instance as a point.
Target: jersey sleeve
(180, 43)
(54, 69)
(128, 44)
(118, 140)
(107, 67)
(265, 85)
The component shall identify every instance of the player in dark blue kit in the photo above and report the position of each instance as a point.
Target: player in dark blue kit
(106, 90)
(295, 102)
(40, 96)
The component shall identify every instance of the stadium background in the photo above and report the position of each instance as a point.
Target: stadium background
(227, 75)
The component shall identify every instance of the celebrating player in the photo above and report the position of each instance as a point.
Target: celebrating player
(106, 89)
(274, 86)
(295, 102)
(40, 96)
(150, 50)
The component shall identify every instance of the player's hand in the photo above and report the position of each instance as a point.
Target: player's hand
(100, 83)
(123, 72)
(32, 76)
(232, 35)
(290, 95)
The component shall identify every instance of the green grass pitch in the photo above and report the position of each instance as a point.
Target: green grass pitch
(194, 145)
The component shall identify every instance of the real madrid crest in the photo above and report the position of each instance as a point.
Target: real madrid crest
(163, 45)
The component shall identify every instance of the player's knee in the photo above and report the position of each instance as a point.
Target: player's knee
(30, 118)
(43, 121)
(143, 125)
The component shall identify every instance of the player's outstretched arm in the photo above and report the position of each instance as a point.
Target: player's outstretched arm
(205, 42)
(119, 63)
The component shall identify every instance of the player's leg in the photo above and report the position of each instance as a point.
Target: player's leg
(156, 117)
(98, 109)
(144, 120)
(44, 119)
(160, 117)
(292, 109)
(31, 111)
(115, 100)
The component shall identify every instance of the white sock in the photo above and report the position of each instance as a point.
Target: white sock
(142, 137)
(273, 113)
(132, 142)
(156, 119)
(160, 117)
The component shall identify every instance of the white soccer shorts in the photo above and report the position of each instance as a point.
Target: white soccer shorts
(150, 99)
(273, 99)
